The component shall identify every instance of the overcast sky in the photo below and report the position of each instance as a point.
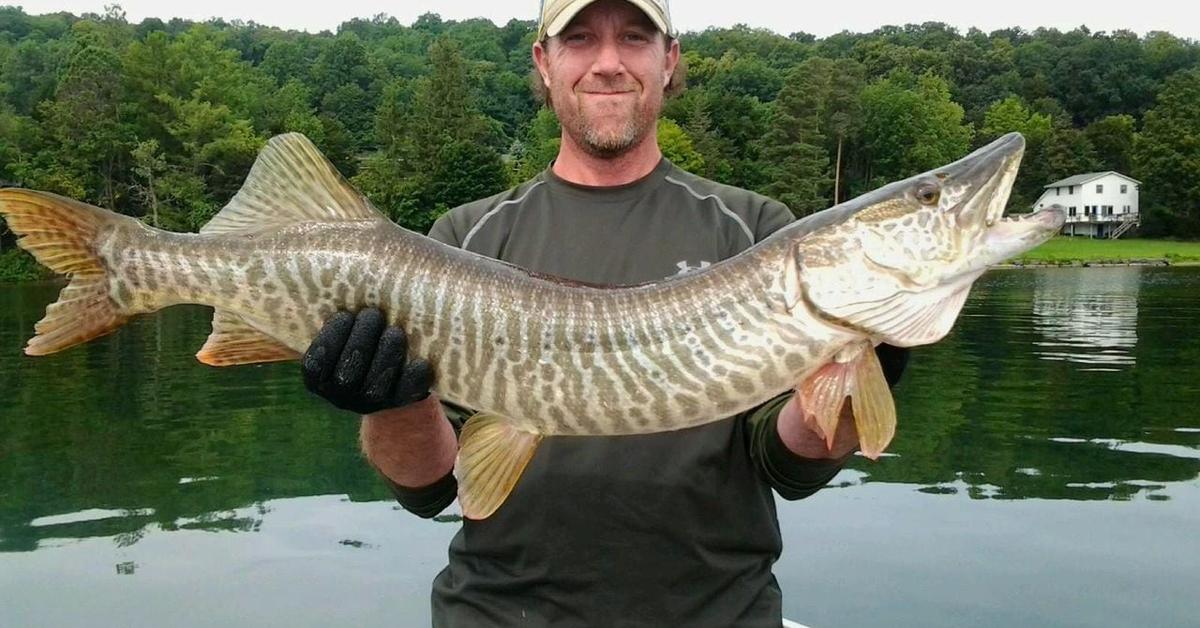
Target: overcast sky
(821, 18)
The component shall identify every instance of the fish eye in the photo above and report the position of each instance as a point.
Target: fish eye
(929, 194)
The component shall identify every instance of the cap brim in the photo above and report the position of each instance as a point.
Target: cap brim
(561, 20)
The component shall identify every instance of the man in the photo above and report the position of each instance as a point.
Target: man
(672, 529)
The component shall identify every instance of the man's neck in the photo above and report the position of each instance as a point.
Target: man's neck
(578, 166)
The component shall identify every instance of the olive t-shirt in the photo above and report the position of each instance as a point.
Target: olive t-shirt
(669, 529)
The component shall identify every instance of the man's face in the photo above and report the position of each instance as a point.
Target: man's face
(606, 72)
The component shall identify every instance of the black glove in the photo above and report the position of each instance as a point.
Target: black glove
(358, 363)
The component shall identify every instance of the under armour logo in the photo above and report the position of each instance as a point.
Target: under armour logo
(685, 268)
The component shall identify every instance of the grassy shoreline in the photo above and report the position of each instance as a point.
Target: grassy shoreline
(1065, 251)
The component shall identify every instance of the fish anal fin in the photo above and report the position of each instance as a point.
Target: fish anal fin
(874, 408)
(233, 342)
(291, 182)
(492, 454)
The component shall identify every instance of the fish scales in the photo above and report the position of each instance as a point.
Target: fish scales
(304, 275)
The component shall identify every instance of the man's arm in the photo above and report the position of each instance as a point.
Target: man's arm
(792, 456)
(414, 448)
(359, 363)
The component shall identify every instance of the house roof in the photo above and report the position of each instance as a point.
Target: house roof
(1080, 179)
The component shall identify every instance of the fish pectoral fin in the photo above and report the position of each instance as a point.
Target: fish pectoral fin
(291, 182)
(233, 341)
(492, 454)
(874, 408)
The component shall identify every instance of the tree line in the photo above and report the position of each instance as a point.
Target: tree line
(162, 120)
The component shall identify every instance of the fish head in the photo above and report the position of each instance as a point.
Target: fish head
(897, 263)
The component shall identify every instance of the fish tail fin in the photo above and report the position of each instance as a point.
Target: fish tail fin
(61, 234)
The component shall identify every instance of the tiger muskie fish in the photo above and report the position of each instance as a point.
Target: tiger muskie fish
(539, 356)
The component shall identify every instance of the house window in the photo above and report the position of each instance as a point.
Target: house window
(1099, 188)
(1070, 211)
(1070, 189)
(1057, 191)
(1087, 210)
(1124, 188)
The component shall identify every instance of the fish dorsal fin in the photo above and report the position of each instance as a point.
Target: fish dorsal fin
(233, 341)
(492, 453)
(291, 182)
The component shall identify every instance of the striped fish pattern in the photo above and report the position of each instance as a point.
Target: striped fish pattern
(539, 356)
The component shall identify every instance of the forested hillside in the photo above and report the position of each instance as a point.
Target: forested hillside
(162, 120)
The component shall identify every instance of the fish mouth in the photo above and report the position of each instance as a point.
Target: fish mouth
(983, 181)
(1016, 234)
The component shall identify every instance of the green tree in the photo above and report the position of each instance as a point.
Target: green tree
(1167, 158)
(86, 123)
(349, 104)
(344, 60)
(289, 110)
(677, 146)
(794, 155)
(286, 60)
(691, 110)
(1013, 115)
(1113, 138)
(149, 165)
(839, 84)
(1066, 152)
(29, 73)
(436, 126)
(739, 123)
(19, 137)
(911, 125)
(463, 172)
(746, 75)
(540, 145)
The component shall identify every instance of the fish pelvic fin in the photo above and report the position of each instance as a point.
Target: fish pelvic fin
(291, 182)
(874, 408)
(860, 377)
(492, 454)
(62, 234)
(233, 341)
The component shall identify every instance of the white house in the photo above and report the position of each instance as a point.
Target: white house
(1099, 204)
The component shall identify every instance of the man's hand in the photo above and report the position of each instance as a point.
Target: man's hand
(358, 363)
(803, 439)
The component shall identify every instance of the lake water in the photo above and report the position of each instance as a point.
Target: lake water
(1045, 473)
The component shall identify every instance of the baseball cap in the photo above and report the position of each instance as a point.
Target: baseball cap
(556, 14)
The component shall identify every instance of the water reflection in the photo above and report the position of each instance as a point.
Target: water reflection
(1088, 317)
(1178, 451)
(1035, 396)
